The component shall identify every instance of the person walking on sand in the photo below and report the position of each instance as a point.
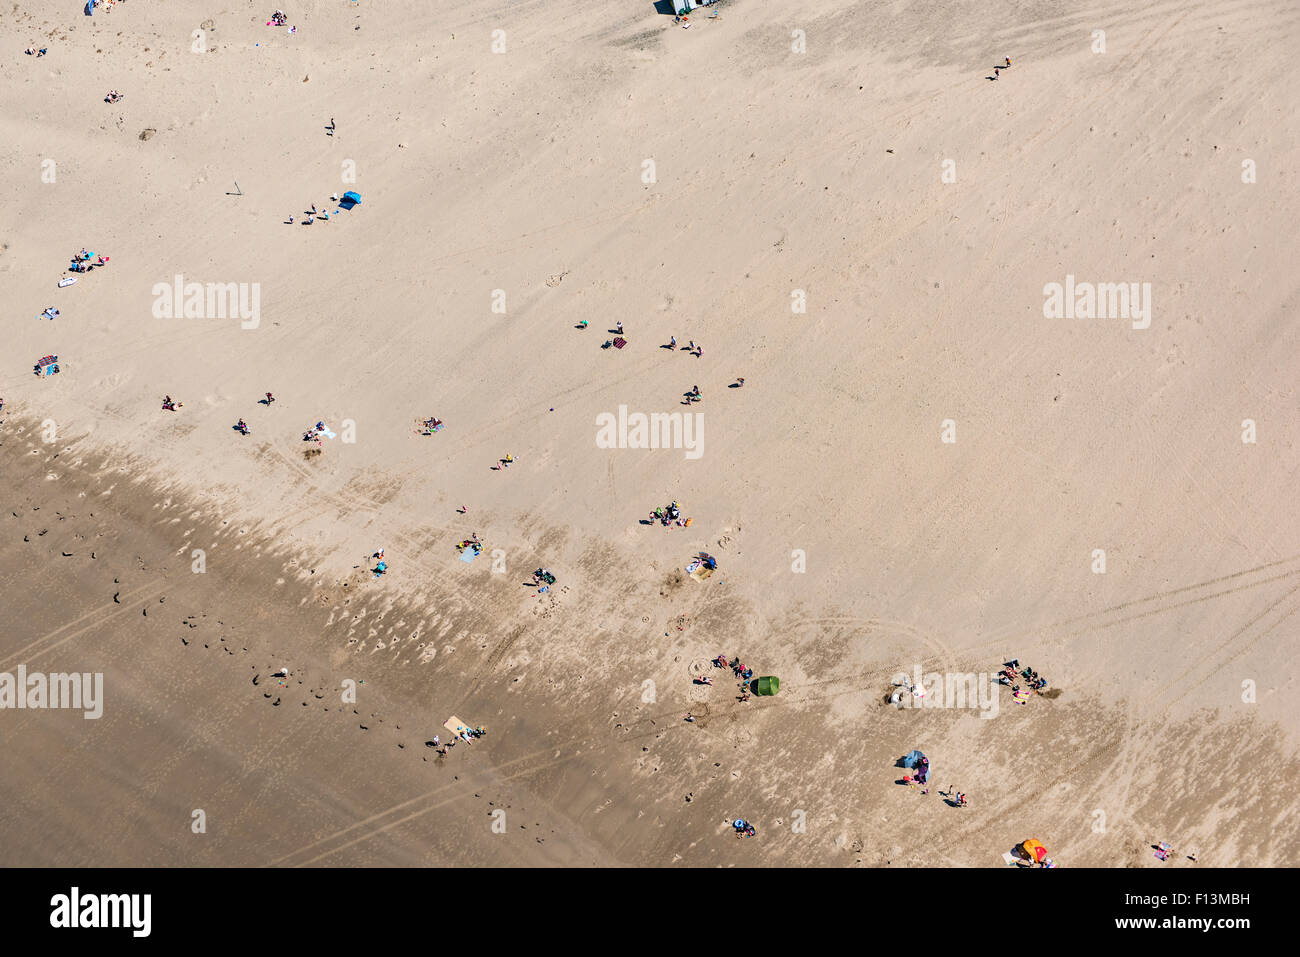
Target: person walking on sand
(1008, 61)
(672, 342)
(619, 327)
(269, 398)
(740, 383)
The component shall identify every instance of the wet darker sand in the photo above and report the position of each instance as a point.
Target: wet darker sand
(587, 754)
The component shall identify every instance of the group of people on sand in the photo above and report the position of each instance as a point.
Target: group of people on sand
(36, 53)
(49, 313)
(738, 670)
(1012, 673)
(955, 797)
(431, 425)
(312, 215)
(468, 735)
(241, 426)
(81, 262)
(113, 96)
(692, 348)
(670, 515)
(171, 405)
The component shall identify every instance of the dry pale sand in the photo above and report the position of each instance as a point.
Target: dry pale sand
(775, 172)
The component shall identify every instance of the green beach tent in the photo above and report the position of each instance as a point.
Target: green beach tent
(767, 685)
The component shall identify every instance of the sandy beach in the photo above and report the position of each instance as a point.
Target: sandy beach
(903, 461)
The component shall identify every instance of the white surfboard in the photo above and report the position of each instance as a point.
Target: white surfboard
(67, 280)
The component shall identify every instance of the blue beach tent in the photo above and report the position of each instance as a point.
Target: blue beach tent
(350, 199)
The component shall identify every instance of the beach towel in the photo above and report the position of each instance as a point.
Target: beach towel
(1009, 859)
(328, 434)
(455, 725)
(701, 573)
(619, 342)
(468, 555)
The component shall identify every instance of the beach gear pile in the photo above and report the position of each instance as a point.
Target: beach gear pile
(316, 431)
(1031, 853)
(701, 566)
(47, 366)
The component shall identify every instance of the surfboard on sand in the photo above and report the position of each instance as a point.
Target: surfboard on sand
(67, 280)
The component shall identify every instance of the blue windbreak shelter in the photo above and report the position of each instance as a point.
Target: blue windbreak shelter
(349, 200)
(90, 8)
(916, 760)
